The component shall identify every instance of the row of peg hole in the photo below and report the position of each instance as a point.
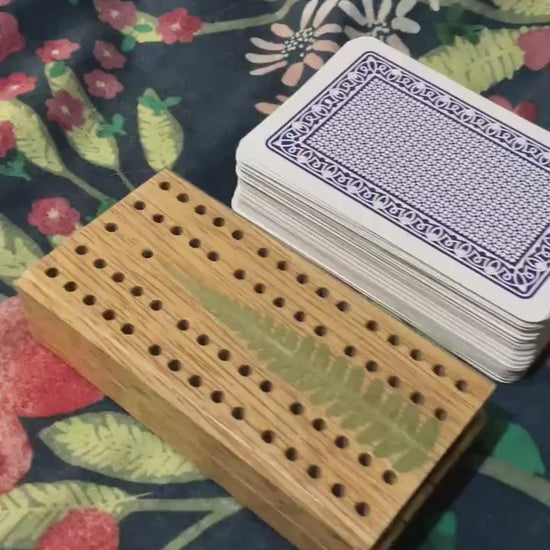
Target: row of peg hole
(302, 278)
(291, 453)
(350, 351)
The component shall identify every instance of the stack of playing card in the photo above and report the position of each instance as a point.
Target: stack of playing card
(424, 196)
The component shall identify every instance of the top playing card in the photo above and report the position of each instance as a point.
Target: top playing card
(464, 182)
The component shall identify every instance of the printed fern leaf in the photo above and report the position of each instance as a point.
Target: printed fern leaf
(385, 421)
(525, 7)
(479, 66)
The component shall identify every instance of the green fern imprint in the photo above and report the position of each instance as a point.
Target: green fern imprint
(387, 422)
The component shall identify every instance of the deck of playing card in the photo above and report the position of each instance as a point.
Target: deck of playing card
(424, 196)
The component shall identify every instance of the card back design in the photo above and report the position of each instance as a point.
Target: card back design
(441, 169)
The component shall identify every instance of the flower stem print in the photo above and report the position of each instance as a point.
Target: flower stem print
(73, 111)
(161, 135)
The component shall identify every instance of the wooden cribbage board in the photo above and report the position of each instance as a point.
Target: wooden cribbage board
(323, 414)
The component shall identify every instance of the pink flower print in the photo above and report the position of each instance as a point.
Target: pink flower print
(82, 530)
(102, 84)
(15, 450)
(296, 49)
(37, 383)
(268, 108)
(5, 3)
(54, 216)
(116, 13)
(536, 45)
(66, 110)
(108, 56)
(56, 50)
(7, 138)
(11, 40)
(178, 26)
(15, 85)
(527, 109)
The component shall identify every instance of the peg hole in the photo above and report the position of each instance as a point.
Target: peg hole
(89, 299)
(365, 459)
(183, 324)
(268, 436)
(314, 471)
(70, 286)
(238, 413)
(319, 424)
(239, 274)
(174, 365)
(81, 250)
(139, 205)
(108, 315)
(217, 396)
(111, 227)
(245, 370)
(52, 272)
(320, 330)
(200, 209)
(127, 329)
(266, 386)
(118, 277)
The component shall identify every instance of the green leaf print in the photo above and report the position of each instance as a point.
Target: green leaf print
(511, 443)
(101, 151)
(18, 252)
(15, 168)
(161, 135)
(28, 510)
(383, 419)
(128, 44)
(494, 57)
(33, 138)
(116, 445)
(443, 533)
(57, 68)
(525, 7)
(143, 28)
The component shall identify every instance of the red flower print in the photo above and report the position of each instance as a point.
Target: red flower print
(178, 25)
(15, 451)
(536, 45)
(66, 110)
(117, 14)
(82, 530)
(527, 109)
(11, 40)
(40, 384)
(102, 84)
(7, 138)
(15, 85)
(56, 50)
(108, 56)
(54, 216)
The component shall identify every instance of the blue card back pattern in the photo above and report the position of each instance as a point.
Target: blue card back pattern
(442, 170)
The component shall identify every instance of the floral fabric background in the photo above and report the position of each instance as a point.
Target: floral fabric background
(97, 96)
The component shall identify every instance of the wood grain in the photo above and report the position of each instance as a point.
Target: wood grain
(313, 407)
